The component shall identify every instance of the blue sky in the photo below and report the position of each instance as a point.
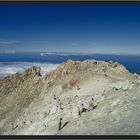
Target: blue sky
(91, 28)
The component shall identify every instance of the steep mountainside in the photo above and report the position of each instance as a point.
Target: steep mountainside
(28, 105)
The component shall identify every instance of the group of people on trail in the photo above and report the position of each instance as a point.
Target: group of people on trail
(81, 109)
(92, 105)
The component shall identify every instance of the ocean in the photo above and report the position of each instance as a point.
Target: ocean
(11, 63)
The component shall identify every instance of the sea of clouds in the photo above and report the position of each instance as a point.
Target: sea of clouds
(8, 68)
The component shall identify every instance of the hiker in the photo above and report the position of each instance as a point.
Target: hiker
(136, 75)
(60, 124)
(78, 88)
(59, 104)
(92, 104)
(14, 127)
(54, 97)
(105, 74)
(82, 109)
(104, 70)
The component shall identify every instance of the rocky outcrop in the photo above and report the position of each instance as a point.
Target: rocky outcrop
(33, 71)
(10, 83)
(32, 104)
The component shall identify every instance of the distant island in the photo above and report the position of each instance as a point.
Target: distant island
(64, 53)
(83, 53)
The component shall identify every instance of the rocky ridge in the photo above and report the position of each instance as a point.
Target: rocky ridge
(27, 104)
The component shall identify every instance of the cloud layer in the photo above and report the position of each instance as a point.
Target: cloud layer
(8, 68)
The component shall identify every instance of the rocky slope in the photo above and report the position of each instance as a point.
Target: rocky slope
(28, 107)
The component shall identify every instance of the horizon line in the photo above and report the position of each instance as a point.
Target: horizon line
(68, 52)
